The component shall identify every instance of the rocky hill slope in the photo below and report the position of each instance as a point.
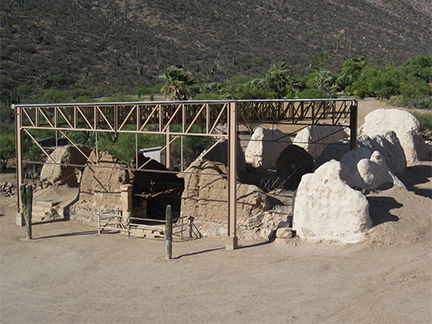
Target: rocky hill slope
(122, 45)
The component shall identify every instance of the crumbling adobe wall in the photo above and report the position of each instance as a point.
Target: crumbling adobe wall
(205, 199)
(100, 187)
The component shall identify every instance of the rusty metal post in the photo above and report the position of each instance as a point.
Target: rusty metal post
(232, 240)
(353, 125)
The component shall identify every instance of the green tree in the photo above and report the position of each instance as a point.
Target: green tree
(277, 79)
(351, 71)
(326, 82)
(419, 68)
(415, 88)
(178, 84)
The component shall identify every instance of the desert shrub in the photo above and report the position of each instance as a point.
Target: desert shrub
(53, 95)
(120, 97)
(419, 68)
(76, 93)
(425, 119)
(386, 82)
(308, 81)
(7, 144)
(359, 88)
(415, 88)
(83, 99)
(418, 103)
(314, 94)
(207, 96)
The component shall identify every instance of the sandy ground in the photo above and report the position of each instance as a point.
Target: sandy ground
(70, 274)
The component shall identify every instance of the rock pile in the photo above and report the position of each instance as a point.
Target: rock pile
(326, 205)
(404, 125)
(369, 169)
(7, 189)
(389, 146)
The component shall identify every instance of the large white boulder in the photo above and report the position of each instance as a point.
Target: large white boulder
(315, 138)
(369, 169)
(389, 146)
(406, 127)
(327, 208)
(265, 146)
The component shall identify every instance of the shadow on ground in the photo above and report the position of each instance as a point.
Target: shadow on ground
(67, 235)
(415, 175)
(380, 207)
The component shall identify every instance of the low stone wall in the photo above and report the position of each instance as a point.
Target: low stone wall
(88, 215)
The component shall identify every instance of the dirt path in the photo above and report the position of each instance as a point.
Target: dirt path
(70, 274)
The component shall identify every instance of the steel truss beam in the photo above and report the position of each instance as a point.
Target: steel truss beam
(136, 117)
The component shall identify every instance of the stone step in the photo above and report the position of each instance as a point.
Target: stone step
(45, 203)
(284, 232)
(41, 209)
(142, 234)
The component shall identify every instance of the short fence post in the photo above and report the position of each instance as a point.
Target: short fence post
(99, 221)
(128, 225)
(168, 233)
(27, 201)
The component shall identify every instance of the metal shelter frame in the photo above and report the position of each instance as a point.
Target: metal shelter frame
(135, 117)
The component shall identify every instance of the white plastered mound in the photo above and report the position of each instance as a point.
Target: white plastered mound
(369, 169)
(406, 127)
(327, 208)
(265, 147)
(314, 139)
(389, 145)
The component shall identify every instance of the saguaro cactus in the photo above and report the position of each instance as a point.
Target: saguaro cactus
(168, 233)
(27, 201)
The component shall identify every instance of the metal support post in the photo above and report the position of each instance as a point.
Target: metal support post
(232, 240)
(19, 164)
(353, 125)
(168, 149)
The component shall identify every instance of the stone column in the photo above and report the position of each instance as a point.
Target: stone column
(126, 201)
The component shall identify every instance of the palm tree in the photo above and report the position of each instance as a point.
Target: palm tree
(178, 84)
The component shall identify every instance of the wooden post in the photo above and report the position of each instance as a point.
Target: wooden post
(27, 201)
(168, 233)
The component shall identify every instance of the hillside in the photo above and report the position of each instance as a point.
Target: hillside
(110, 46)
